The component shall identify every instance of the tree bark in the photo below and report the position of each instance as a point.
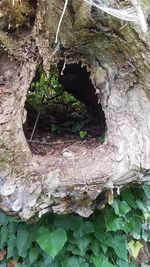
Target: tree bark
(117, 56)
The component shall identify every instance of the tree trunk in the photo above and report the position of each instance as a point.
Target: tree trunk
(116, 55)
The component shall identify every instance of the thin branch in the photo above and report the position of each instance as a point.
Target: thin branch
(52, 143)
(60, 21)
(35, 124)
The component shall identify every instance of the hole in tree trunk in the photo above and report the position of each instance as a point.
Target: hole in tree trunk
(63, 109)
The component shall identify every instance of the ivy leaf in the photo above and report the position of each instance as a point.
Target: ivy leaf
(140, 205)
(120, 246)
(99, 228)
(100, 262)
(48, 261)
(111, 220)
(51, 242)
(3, 219)
(3, 235)
(73, 262)
(118, 243)
(11, 246)
(85, 228)
(82, 244)
(128, 196)
(23, 243)
(120, 207)
(95, 247)
(122, 263)
(101, 139)
(33, 254)
(68, 222)
(83, 134)
(135, 247)
(146, 188)
(73, 249)
(136, 231)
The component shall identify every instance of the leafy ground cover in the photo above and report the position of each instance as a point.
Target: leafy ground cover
(116, 236)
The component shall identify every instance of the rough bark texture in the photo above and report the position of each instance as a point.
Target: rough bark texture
(117, 54)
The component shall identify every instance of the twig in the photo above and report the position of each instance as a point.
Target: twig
(51, 143)
(35, 124)
(60, 21)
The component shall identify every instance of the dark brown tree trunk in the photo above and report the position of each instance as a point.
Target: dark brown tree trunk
(116, 54)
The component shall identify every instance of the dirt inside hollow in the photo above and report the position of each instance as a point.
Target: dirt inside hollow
(47, 142)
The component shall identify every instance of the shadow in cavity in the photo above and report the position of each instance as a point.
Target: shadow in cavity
(76, 80)
(62, 109)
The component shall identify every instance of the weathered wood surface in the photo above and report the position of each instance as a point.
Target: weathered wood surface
(118, 56)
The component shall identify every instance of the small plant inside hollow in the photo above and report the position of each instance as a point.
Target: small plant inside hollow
(63, 106)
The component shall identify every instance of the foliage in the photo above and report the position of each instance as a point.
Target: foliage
(111, 237)
(83, 134)
(47, 95)
(43, 89)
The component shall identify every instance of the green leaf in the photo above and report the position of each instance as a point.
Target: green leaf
(73, 249)
(111, 220)
(136, 231)
(73, 262)
(3, 235)
(100, 262)
(99, 228)
(120, 207)
(48, 261)
(120, 246)
(82, 244)
(121, 263)
(118, 243)
(128, 196)
(3, 219)
(83, 134)
(68, 222)
(12, 227)
(85, 228)
(11, 246)
(95, 247)
(145, 232)
(146, 188)
(23, 243)
(101, 139)
(104, 248)
(140, 205)
(51, 242)
(33, 254)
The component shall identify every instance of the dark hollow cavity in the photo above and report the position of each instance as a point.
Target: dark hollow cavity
(76, 80)
(64, 120)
